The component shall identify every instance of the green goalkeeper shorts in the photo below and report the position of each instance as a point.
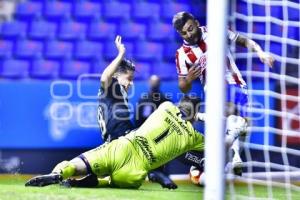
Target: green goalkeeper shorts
(120, 161)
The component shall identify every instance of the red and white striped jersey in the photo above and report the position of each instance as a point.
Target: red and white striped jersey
(195, 55)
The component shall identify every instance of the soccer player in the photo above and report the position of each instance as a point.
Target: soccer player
(146, 105)
(113, 111)
(167, 133)
(191, 65)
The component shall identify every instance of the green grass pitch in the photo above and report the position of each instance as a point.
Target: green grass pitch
(12, 188)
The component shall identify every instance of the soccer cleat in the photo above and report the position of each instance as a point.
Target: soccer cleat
(162, 179)
(44, 180)
(88, 181)
(237, 164)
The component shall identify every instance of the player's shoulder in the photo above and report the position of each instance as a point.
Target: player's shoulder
(166, 105)
(180, 50)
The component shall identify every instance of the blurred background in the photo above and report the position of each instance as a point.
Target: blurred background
(52, 52)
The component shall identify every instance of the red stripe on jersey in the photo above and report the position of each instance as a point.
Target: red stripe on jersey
(177, 62)
(186, 49)
(236, 79)
(202, 46)
(190, 54)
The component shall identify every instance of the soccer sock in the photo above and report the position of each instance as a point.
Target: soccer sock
(104, 182)
(66, 169)
(229, 139)
(236, 146)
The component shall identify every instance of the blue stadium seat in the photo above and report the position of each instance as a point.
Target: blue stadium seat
(6, 48)
(115, 11)
(257, 65)
(132, 31)
(258, 10)
(69, 30)
(142, 70)
(294, 33)
(58, 50)
(55, 10)
(148, 51)
(276, 29)
(28, 49)
(72, 69)
(99, 65)
(13, 30)
(163, 32)
(143, 11)
(14, 68)
(241, 49)
(44, 69)
(294, 14)
(292, 51)
(241, 25)
(259, 27)
(276, 48)
(241, 63)
(84, 10)
(110, 51)
(41, 30)
(85, 50)
(276, 11)
(166, 70)
(198, 9)
(242, 8)
(170, 50)
(99, 30)
(28, 10)
(169, 9)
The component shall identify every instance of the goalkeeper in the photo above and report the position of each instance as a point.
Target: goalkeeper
(125, 162)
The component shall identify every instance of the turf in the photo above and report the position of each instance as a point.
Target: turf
(12, 188)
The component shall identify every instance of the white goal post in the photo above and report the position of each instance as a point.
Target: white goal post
(215, 93)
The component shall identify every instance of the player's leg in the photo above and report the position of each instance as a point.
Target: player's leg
(158, 175)
(61, 171)
(237, 99)
(81, 165)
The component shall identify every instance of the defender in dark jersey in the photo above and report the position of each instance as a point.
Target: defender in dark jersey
(113, 111)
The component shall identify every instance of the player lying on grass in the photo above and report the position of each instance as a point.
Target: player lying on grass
(113, 110)
(166, 134)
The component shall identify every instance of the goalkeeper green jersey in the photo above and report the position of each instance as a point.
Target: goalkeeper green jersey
(164, 136)
(161, 138)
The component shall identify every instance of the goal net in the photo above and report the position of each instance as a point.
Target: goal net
(271, 151)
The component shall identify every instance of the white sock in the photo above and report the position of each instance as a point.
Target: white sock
(236, 146)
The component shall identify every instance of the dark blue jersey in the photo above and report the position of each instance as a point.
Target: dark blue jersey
(113, 111)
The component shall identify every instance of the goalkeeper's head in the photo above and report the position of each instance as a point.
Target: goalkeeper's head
(187, 26)
(125, 73)
(189, 105)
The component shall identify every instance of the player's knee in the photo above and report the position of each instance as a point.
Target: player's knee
(65, 168)
(235, 122)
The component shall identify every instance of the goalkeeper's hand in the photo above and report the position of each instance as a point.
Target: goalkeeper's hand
(266, 58)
